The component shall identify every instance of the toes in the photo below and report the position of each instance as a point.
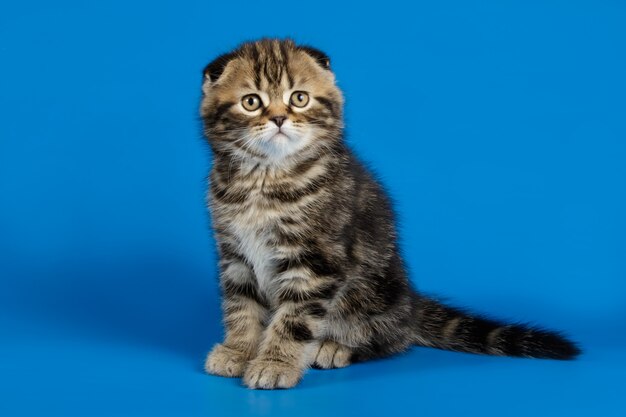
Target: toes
(324, 358)
(225, 361)
(342, 356)
(266, 374)
(332, 355)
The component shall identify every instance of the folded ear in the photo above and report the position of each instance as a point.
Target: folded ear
(213, 71)
(319, 56)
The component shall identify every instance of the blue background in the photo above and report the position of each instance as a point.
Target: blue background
(498, 127)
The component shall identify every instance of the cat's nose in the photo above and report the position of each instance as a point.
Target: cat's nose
(278, 120)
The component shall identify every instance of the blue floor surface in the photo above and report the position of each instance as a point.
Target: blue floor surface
(60, 374)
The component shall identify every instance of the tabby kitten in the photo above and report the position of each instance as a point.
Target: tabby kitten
(310, 268)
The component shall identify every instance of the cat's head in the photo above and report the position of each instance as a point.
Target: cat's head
(272, 101)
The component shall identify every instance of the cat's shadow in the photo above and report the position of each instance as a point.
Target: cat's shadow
(152, 301)
(417, 361)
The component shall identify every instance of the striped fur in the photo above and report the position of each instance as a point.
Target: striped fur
(310, 269)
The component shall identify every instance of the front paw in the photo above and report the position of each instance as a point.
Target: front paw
(271, 374)
(225, 361)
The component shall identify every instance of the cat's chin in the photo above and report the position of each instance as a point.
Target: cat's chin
(282, 146)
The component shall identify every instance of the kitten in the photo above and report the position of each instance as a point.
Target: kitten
(310, 269)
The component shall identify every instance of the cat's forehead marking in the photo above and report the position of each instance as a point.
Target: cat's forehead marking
(274, 67)
(271, 65)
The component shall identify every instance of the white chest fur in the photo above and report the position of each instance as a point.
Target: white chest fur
(253, 229)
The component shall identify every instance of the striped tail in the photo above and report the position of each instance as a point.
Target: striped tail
(450, 328)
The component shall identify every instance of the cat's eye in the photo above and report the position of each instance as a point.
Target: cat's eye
(299, 99)
(251, 102)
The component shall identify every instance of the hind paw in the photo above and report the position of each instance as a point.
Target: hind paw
(332, 355)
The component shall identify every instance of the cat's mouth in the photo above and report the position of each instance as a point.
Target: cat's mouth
(280, 142)
(277, 142)
(280, 135)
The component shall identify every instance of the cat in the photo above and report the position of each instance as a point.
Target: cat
(310, 269)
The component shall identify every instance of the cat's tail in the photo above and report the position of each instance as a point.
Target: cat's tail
(453, 329)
